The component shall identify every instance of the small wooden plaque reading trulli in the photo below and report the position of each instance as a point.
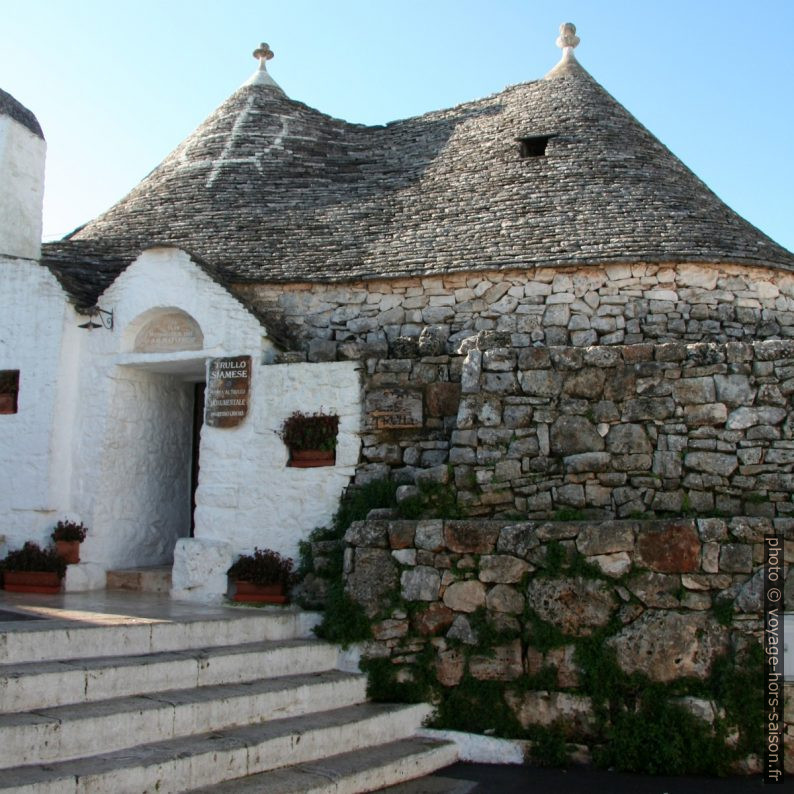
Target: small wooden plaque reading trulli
(228, 386)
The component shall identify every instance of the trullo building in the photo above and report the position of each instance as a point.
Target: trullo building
(319, 259)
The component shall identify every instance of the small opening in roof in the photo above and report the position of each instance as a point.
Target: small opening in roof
(534, 145)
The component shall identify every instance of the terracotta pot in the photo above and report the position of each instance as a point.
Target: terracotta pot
(31, 582)
(259, 593)
(309, 458)
(68, 551)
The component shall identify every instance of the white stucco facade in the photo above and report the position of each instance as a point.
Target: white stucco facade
(33, 456)
(21, 189)
(105, 430)
(247, 496)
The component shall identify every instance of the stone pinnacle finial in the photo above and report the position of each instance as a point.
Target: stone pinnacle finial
(263, 53)
(567, 38)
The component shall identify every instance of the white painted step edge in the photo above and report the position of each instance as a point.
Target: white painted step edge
(53, 640)
(365, 770)
(60, 734)
(35, 686)
(186, 764)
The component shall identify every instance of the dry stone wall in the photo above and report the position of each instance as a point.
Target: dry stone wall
(514, 604)
(614, 305)
(616, 431)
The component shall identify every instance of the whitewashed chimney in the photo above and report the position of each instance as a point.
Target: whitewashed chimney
(22, 153)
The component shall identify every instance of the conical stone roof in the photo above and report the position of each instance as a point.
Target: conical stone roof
(268, 189)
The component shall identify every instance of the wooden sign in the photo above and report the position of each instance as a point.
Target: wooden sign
(228, 385)
(394, 409)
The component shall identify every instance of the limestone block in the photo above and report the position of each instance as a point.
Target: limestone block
(571, 435)
(669, 547)
(657, 590)
(368, 533)
(504, 663)
(694, 390)
(401, 534)
(199, 571)
(465, 596)
(430, 535)
(708, 414)
(574, 604)
(546, 708)
(605, 538)
(736, 558)
(540, 382)
(505, 599)
(587, 462)
(588, 384)
(734, 390)
(374, 576)
(84, 576)
(433, 620)
(450, 665)
(712, 463)
(420, 584)
(462, 631)
(502, 568)
(667, 645)
(470, 537)
(613, 564)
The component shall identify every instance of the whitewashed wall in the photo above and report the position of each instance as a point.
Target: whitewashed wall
(21, 189)
(131, 441)
(33, 315)
(248, 497)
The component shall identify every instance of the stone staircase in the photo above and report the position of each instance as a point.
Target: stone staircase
(234, 704)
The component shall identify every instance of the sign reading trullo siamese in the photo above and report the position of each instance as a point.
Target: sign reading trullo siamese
(228, 383)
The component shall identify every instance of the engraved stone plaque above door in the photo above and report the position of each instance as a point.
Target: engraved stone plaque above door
(169, 332)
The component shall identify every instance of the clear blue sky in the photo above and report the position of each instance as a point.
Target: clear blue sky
(117, 85)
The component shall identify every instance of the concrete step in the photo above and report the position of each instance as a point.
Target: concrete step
(59, 734)
(362, 770)
(156, 579)
(30, 686)
(118, 635)
(211, 758)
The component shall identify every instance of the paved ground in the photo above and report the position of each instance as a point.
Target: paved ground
(580, 780)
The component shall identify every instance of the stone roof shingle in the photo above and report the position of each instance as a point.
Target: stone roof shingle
(271, 190)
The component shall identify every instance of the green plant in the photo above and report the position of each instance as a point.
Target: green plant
(433, 501)
(568, 514)
(31, 557)
(69, 531)
(662, 737)
(302, 431)
(264, 567)
(555, 558)
(478, 707)
(549, 747)
(723, 611)
(344, 620)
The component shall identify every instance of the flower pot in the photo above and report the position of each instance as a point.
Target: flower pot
(259, 593)
(310, 458)
(68, 551)
(31, 581)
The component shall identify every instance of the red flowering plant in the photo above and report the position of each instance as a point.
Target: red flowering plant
(302, 431)
(264, 567)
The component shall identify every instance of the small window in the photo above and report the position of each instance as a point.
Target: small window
(534, 145)
(9, 390)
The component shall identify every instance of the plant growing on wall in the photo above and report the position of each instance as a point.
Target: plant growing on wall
(311, 438)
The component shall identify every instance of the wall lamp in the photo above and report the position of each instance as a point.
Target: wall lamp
(94, 312)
